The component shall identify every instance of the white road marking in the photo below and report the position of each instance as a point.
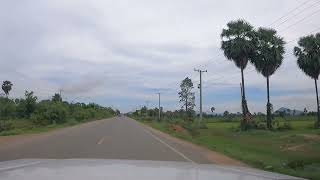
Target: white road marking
(20, 165)
(101, 141)
(172, 148)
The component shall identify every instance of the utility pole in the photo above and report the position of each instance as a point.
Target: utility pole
(147, 105)
(200, 87)
(159, 107)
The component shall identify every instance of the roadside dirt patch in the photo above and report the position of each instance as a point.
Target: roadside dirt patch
(294, 147)
(177, 128)
(313, 137)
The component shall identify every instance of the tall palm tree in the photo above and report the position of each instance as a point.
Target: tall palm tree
(238, 46)
(308, 54)
(268, 58)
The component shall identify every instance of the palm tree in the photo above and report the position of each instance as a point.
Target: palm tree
(308, 54)
(238, 46)
(6, 87)
(268, 58)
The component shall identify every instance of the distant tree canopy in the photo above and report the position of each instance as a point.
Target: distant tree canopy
(6, 87)
(47, 112)
(212, 109)
(56, 97)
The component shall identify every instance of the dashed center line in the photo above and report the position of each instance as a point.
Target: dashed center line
(101, 141)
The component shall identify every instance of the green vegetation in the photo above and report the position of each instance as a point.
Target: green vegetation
(293, 150)
(27, 115)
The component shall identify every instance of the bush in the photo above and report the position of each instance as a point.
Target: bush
(49, 112)
(282, 126)
(295, 164)
(6, 126)
(39, 119)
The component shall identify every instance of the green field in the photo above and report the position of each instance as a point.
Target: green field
(295, 152)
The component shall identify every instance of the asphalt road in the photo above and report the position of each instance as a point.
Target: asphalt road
(114, 138)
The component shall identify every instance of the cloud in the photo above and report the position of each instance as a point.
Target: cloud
(121, 52)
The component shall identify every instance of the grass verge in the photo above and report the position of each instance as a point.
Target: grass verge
(294, 152)
(25, 126)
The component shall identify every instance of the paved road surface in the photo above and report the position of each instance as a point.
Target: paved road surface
(114, 138)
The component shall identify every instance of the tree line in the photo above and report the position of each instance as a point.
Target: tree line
(46, 112)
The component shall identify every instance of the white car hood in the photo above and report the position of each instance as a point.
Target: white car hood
(96, 169)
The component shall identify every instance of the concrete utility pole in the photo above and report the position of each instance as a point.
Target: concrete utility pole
(159, 107)
(200, 87)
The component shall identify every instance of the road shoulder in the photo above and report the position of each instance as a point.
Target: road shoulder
(196, 153)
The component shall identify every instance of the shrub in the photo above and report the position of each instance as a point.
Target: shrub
(48, 112)
(295, 164)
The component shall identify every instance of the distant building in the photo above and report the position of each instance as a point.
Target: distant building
(288, 111)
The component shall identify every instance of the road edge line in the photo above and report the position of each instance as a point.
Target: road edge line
(166, 144)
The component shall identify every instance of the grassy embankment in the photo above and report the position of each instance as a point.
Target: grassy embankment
(295, 152)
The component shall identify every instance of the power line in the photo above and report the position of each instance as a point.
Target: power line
(298, 13)
(291, 11)
(315, 30)
(309, 15)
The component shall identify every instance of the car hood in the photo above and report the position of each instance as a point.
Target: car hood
(84, 169)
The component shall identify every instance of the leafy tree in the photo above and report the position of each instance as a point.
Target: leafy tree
(186, 96)
(226, 113)
(212, 109)
(57, 98)
(6, 87)
(238, 46)
(267, 59)
(308, 54)
(30, 103)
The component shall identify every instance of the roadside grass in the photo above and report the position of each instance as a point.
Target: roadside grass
(295, 152)
(25, 126)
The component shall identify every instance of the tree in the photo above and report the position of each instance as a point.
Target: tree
(226, 113)
(57, 98)
(187, 96)
(30, 103)
(238, 46)
(6, 87)
(212, 109)
(308, 55)
(267, 59)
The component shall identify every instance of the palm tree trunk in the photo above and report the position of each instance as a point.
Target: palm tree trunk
(242, 80)
(268, 106)
(245, 110)
(317, 124)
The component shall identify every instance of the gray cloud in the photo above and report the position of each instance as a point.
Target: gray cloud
(125, 50)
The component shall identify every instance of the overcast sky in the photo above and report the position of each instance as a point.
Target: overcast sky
(120, 53)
